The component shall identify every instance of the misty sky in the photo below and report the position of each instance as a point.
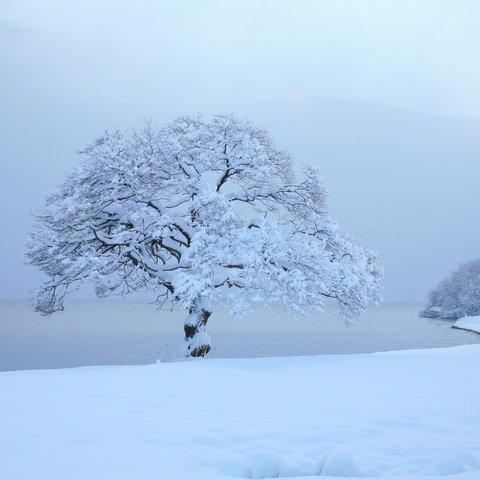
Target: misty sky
(384, 95)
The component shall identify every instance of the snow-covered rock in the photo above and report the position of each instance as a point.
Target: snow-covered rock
(403, 415)
(468, 323)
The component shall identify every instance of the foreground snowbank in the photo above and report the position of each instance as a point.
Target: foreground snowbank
(400, 414)
(468, 323)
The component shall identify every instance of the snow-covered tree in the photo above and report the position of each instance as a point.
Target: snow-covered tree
(202, 212)
(456, 296)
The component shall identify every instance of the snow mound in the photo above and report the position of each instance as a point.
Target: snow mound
(399, 415)
(267, 464)
(264, 464)
(468, 323)
(339, 464)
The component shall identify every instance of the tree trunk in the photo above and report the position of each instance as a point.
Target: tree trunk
(197, 340)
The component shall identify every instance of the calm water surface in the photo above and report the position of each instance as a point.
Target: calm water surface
(101, 332)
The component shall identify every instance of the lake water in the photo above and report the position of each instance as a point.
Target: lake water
(104, 332)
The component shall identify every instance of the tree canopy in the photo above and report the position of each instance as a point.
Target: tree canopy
(200, 212)
(456, 296)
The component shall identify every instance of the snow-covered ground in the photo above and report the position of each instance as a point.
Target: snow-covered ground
(468, 323)
(401, 414)
(101, 332)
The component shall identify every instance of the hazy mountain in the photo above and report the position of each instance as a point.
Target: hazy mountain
(403, 183)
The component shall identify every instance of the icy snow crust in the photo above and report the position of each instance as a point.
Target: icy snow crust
(468, 323)
(401, 415)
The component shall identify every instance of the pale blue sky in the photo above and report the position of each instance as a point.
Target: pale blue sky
(410, 53)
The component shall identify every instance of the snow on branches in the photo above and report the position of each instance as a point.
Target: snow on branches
(456, 296)
(201, 212)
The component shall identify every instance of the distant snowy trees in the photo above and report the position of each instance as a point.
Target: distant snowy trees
(456, 296)
(202, 212)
